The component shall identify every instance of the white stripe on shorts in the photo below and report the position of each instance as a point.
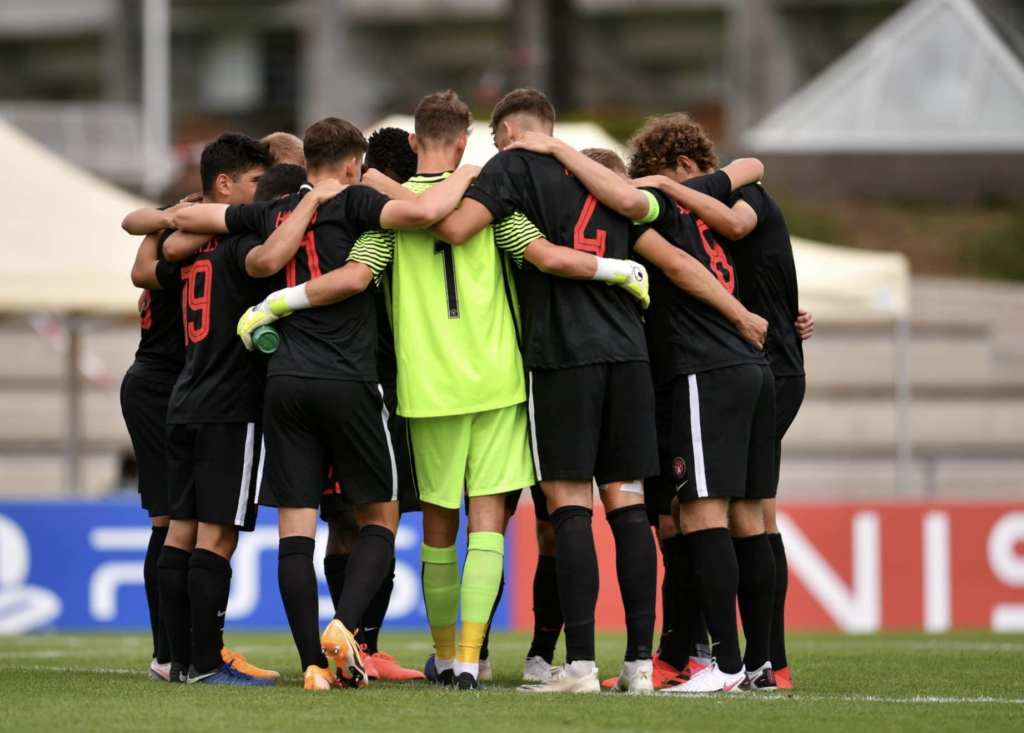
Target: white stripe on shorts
(391, 449)
(533, 432)
(243, 494)
(698, 443)
(259, 470)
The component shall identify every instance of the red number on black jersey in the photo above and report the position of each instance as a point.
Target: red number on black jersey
(312, 261)
(146, 312)
(194, 304)
(719, 262)
(595, 245)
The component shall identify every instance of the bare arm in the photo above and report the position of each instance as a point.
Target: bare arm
(337, 285)
(182, 245)
(744, 171)
(607, 187)
(734, 223)
(459, 226)
(271, 256)
(687, 273)
(149, 220)
(387, 186)
(572, 264)
(208, 218)
(144, 269)
(431, 206)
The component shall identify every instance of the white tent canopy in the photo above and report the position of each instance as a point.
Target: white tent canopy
(60, 235)
(935, 77)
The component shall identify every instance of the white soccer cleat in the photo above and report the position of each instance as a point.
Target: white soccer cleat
(160, 672)
(711, 679)
(636, 677)
(486, 673)
(562, 681)
(536, 669)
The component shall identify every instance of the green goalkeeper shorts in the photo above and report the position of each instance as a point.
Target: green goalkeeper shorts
(484, 452)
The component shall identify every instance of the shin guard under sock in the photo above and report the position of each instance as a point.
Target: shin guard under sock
(209, 585)
(756, 595)
(778, 640)
(714, 560)
(547, 609)
(636, 565)
(151, 581)
(440, 574)
(296, 578)
(578, 579)
(373, 619)
(175, 611)
(481, 576)
(484, 651)
(368, 566)
(334, 572)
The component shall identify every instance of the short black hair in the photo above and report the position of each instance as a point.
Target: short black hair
(280, 180)
(232, 154)
(389, 149)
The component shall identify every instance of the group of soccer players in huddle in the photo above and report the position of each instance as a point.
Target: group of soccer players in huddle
(447, 334)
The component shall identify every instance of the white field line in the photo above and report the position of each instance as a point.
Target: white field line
(853, 644)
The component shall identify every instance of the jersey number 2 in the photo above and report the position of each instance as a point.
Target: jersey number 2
(191, 303)
(594, 245)
(450, 286)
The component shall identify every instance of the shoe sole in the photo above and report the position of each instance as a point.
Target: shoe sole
(158, 677)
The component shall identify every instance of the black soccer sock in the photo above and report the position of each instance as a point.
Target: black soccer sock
(334, 571)
(578, 578)
(547, 609)
(175, 610)
(714, 559)
(373, 619)
(150, 579)
(668, 581)
(636, 565)
(756, 595)
(297, 581)
(371, 558)
(685, 605)
(701, 646)
(778, 640)
(485, 653)
(209, 584)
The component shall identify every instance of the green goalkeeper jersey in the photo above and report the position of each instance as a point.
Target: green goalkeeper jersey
(455, 316)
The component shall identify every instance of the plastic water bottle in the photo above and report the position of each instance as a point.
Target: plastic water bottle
(267, 339)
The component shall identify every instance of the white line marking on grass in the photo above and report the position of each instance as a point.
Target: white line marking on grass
(90, 670)
(855, 643)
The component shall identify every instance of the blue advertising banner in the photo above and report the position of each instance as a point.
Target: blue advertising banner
(78, 565)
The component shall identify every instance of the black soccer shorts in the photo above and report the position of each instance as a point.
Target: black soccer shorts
(660, 490)
(334, 501)
(789, 396)
(314, 425)
(593, 422)
(214, 472)
(723, 433)
(144, 407)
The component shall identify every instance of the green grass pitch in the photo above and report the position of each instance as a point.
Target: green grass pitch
(97, 682)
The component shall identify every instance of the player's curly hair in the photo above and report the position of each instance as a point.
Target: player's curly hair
(388, 150)
(661, 140)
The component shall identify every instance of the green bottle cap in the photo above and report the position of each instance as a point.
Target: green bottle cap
(267, 339)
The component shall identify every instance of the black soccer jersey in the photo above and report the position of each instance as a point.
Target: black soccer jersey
(764, 261)
(337, 341)
(566, 322)
(685, 335)
(387, 359)
(221, 381)
(161, 353)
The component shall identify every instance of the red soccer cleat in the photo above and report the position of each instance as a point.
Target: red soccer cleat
(664, 675)
(783, 680)
(388, 668)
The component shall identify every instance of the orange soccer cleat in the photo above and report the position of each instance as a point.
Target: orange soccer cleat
(319, 678)
(339, 644)
(238, 662)
(663, 675)
(783, 679)
(388, 668)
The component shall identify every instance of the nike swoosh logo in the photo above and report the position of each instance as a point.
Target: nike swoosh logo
(714, 643)
(730, 688)
(680, 486)
(221, 613)
(371, 628)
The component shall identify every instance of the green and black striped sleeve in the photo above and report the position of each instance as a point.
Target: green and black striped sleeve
(375, 249)
(514, 233)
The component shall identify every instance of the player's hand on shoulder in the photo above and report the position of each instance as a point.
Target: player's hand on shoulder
(193, 198)
(376, 180)
(804, 325)
(535, 142)
(632, 277)
(754, 329)
(183, 204)
(327, 189)
(473, 171)
(648, 182)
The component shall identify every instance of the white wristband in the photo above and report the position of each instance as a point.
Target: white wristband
(296, 297)
(607, 269)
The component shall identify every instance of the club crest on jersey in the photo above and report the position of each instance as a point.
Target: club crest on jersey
(679, 467)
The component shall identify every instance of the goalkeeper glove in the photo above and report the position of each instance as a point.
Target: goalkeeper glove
(626, 274)
(276, 305)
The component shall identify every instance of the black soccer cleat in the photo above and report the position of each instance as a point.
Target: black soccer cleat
(445, 678)
(760, 679)
(179, 672)
(467, 681)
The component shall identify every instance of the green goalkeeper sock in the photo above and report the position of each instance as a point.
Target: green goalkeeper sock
(441, 595)
(480, 580)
